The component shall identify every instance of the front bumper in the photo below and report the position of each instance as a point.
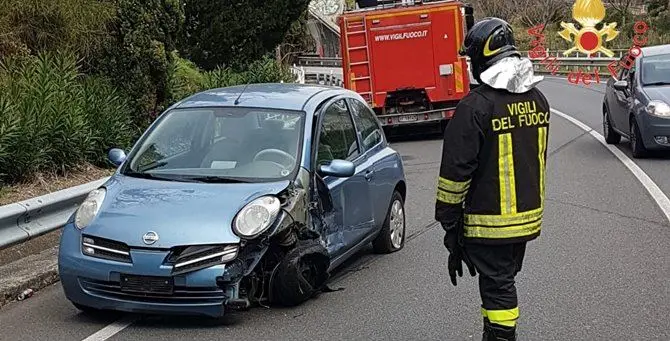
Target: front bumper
(655, 132)
(96, 283)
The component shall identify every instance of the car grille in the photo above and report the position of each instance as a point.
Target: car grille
(178, 295)
(190, 258)
(105, 249)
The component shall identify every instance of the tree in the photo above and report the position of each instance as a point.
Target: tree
(144, 34)
(233, 33)
(532, 13)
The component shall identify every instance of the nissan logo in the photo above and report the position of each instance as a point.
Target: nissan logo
(150, 237)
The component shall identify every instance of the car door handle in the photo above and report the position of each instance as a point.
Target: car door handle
(369, 174)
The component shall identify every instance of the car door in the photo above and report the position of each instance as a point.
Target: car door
(352, 207)
(620, 102)
(378, 159)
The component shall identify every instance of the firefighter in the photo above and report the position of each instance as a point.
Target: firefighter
(490, 196)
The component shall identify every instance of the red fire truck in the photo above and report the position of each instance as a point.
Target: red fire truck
(402, 57)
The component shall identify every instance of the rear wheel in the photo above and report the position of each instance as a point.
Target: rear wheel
(611, 136)
(639, 151)
(392, 236)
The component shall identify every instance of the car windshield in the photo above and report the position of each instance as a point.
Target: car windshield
(220, 145)
(656, 70)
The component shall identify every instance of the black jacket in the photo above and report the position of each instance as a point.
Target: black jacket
(493, 166)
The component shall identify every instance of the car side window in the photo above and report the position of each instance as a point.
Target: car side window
(338, 135)
(367, 123)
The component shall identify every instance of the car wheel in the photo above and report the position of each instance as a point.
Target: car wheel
(392, 236)
(639, 151)
(611, 136)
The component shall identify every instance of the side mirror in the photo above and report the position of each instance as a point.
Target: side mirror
(338, 168)
(620, 85)
(116, 156)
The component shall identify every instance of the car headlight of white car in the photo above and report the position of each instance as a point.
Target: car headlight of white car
(89, 208)
(256, 217)
(658, 108)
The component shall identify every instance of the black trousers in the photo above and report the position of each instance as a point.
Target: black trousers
(497, 266)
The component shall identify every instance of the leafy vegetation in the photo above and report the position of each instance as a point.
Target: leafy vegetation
(78, 77)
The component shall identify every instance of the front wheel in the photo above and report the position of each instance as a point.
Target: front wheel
(392, 236)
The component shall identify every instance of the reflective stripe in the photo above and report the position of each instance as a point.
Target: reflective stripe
(449, 197)
(477, 231)
(458, 75)
(506, 174)
(505, 317)
(453, 186)
(542, 147)
(503, 220)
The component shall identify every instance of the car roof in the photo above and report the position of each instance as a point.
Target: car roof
(287, 96)
(655, 50)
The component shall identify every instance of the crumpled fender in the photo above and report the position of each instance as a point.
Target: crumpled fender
(289, 286)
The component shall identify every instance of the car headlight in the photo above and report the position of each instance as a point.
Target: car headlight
(89, 208)
(256, 217)
(659, 108)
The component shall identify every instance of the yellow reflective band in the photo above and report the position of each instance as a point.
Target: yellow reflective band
(453, 186)
(502, 232)
(487, 49)
(506, 174)
(503, 220)
(458, 75)
(506, 317)
(542, 147)
(450, 198)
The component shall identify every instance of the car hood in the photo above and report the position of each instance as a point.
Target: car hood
(181, 213)
(661, 93)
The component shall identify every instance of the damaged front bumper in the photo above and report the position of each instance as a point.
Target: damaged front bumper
(279, 266)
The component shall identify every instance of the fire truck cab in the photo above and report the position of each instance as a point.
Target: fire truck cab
(402, 57)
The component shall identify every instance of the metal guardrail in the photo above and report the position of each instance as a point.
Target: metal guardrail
(558, 55)
(30, 218)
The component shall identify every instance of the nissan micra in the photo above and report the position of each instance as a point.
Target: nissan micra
(235, 197)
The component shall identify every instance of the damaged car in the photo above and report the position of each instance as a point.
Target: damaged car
(236, 197)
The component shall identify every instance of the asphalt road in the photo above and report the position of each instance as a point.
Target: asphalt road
(599, 271)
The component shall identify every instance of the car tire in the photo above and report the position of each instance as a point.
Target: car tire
(636, 144)
(392, 236)
(611, 136)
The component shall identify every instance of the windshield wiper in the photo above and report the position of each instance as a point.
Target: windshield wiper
(153, 165)
(657, 83)
(215, 179)
(148, 176)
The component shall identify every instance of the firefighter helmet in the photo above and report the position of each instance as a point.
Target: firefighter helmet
(488, 41)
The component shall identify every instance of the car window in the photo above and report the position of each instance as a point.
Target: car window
(337, 139)
(367, 124)
(173, 139)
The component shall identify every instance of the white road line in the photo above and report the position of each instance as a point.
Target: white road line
(656, 193)
(111, 330)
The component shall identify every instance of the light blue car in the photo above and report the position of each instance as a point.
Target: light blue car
(235, 197)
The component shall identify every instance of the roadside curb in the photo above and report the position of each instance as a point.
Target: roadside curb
(32, 272)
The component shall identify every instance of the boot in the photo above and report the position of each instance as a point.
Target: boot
(495, 332)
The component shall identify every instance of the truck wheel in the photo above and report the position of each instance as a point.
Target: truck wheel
(392, 236)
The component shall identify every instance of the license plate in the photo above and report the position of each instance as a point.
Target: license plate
(147, 284)
(408, 118)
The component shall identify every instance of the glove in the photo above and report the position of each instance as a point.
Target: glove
(453, 240)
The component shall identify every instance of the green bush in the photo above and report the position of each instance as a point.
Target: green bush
(52, 118)
(186, 79)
